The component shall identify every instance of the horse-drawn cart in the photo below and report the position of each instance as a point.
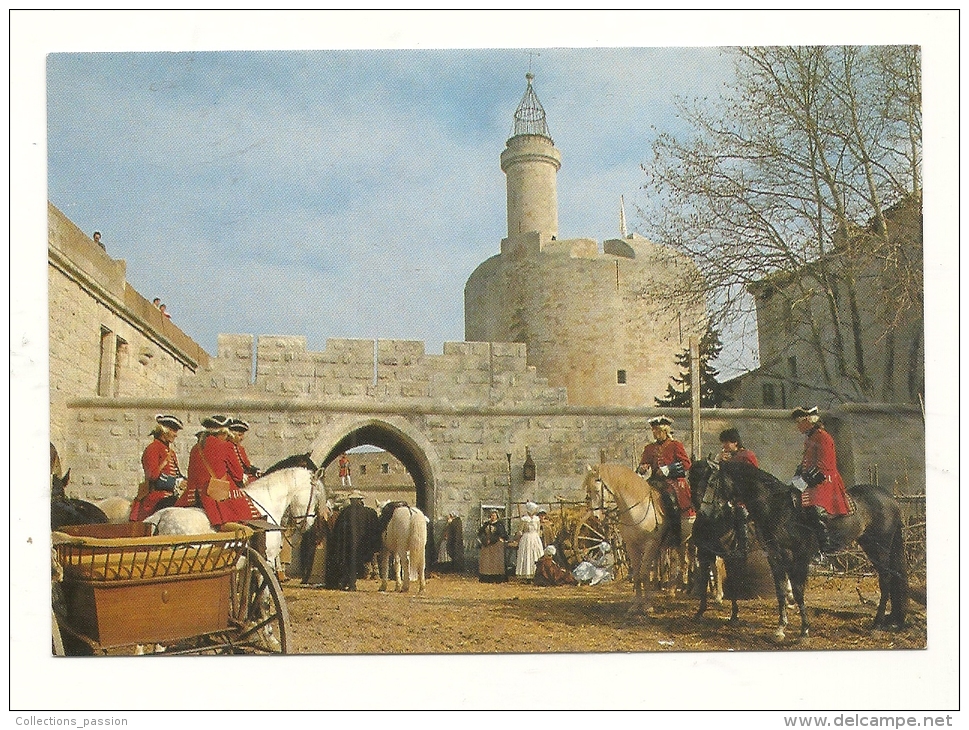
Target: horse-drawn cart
(118, 589)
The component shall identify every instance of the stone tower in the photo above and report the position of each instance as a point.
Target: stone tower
(605, 324)
(530, 163)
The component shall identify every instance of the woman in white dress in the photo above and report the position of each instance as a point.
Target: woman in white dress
(530, 547)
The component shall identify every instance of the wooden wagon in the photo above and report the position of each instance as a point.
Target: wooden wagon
(118, 590)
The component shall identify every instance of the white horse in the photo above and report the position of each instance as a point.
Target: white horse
(404, 539)
(116, 509)
(296, 493)
(639, 516)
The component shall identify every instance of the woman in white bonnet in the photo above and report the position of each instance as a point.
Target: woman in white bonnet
(530, 547)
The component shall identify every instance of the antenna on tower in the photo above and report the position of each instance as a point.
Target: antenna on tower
(622, 217)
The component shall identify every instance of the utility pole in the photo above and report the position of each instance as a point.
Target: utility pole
(695, 440)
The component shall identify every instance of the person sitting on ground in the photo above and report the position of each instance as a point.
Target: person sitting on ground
(549, 573)
(600, 568)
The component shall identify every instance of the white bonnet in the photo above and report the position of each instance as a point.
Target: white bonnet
(550, 550)
(531, 508)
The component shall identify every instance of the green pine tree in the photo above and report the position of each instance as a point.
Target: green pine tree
(712, 392)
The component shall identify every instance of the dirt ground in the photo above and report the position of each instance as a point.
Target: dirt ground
(459, 615)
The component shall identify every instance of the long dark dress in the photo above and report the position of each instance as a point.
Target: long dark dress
(355, 540)
(491, 560)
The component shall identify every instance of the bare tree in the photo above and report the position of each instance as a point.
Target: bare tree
(784, 187)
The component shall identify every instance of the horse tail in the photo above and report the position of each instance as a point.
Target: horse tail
(418, 536)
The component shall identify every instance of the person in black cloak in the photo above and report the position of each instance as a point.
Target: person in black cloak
(355, 540)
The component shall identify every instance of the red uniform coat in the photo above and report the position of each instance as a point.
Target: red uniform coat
(819, 453)
(664, 453)
(225, 464)
(158, 458)
(742, 456)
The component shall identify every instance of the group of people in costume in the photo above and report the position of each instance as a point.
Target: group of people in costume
(816, 477)
(218, 469)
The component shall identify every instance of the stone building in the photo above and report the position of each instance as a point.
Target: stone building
(872, 353)
(604, 324)
(106, 340)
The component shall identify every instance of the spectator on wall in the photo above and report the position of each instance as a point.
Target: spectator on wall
(97, 240)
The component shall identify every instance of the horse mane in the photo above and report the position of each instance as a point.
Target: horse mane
(295, 461)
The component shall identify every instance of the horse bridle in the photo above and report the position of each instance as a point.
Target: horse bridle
(616, 513)
(298, 520)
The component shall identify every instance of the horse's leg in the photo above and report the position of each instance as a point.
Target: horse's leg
(798, 575)
(780, 578)
(706, 562)
(879, 558)
(398, 582)
(384, 567)
(898, 571)
(734, 613)
(419, 567)
(405, 569)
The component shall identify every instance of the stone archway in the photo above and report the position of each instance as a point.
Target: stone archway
(399, 438)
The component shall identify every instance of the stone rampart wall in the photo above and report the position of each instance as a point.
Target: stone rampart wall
(105, 338)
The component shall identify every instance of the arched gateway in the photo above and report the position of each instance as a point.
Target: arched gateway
(395, 436)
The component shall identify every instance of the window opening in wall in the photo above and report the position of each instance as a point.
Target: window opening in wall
(792, 366)
(363, 468)
(385, 468)
(120, 358)
(106, 362)
(768, 392)
(621, 377)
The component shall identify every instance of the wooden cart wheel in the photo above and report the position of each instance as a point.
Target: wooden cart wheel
(259, 615)
(589, 532)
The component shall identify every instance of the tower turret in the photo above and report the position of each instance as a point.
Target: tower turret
(530, 162)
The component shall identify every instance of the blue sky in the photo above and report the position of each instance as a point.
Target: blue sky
(341, 193)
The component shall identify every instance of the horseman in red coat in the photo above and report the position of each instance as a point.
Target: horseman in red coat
(817, 478)
(237, 431)
(213, 457)
(160, 464)
(666, 458)
(733, 449)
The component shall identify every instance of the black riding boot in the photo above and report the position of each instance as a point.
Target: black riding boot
(821, 527)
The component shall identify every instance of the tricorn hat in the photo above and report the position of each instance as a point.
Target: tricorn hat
(355, 494)
(804, 412)
(661, 421)
(213, 422)
(169, 422)
(238, 425)
(730, 434)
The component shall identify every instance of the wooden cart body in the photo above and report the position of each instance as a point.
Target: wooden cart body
(122, 587)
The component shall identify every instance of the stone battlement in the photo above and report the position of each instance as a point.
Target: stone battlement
(371, 371)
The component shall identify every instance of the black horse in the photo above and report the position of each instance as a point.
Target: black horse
(791, 540)
(66, 511)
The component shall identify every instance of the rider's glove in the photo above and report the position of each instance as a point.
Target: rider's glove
(664, 470)
(813, 476)
(799, 484)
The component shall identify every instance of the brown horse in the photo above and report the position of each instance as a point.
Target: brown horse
(639, 515)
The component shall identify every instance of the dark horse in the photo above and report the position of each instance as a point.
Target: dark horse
(715, 535)
(64, 510)
(791, 541)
